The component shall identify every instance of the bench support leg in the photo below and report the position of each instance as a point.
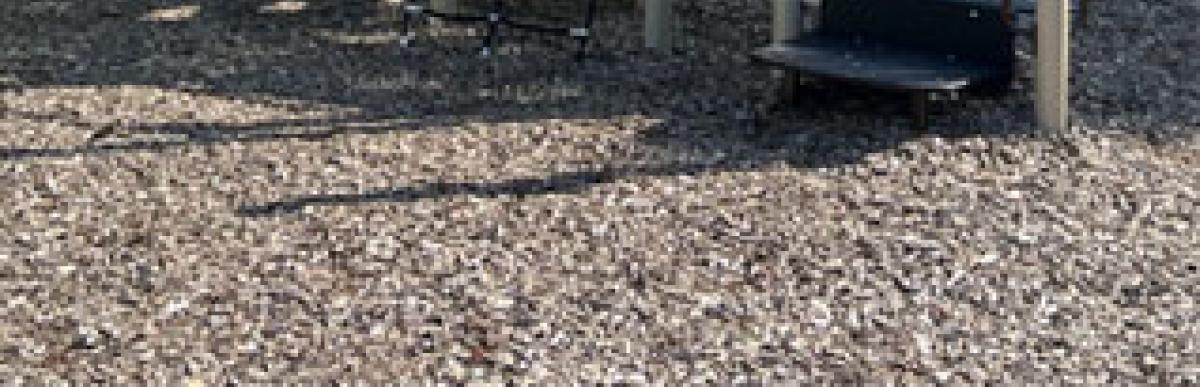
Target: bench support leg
(920, 116)
(658, 23)
(788, 88)
(1083, 12)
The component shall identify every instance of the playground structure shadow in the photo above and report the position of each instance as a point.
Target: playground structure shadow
(840, 126)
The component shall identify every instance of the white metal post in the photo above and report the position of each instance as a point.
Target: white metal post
(787, 23)
(1053, 64)
(659, 23)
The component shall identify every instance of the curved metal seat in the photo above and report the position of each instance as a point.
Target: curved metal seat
(917, 46)
(878, 65)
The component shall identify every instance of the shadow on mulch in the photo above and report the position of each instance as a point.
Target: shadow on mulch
(275, 51)
(884, 119)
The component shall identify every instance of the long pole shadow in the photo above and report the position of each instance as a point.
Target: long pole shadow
(747, 150)
(563, 183)
(215, 134)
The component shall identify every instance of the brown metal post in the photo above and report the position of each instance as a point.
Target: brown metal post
(1009, 16)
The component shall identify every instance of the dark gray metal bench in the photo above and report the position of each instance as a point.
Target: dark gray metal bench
(917, 46)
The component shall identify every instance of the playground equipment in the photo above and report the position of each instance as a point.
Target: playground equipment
(497, 17)
(1052, 21)
(904, 45)
(880, 43)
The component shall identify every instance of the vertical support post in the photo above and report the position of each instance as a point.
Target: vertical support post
(588, 19)
(919, 100)
(789, 22)
(659, 23)
(1083, 12)
(1053, 64)
(494, 16)
(1009, 13)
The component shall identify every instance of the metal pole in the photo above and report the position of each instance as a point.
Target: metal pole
(582, 39)
(790, 21)
(659, 23)
(1053, 64)
(787, 23)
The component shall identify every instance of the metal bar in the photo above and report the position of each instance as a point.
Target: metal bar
(1053, 64)
(1009, 13)
(448, 10)
(494, 19)
(920, 115)
(658, 23)
(791, 20)
(1083, 12)
(588, 19)
(536, 27)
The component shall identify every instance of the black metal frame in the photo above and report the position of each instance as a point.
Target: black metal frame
(496, 19)
(1029, 7)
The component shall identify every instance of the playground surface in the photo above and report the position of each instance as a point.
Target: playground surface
(235, 191)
